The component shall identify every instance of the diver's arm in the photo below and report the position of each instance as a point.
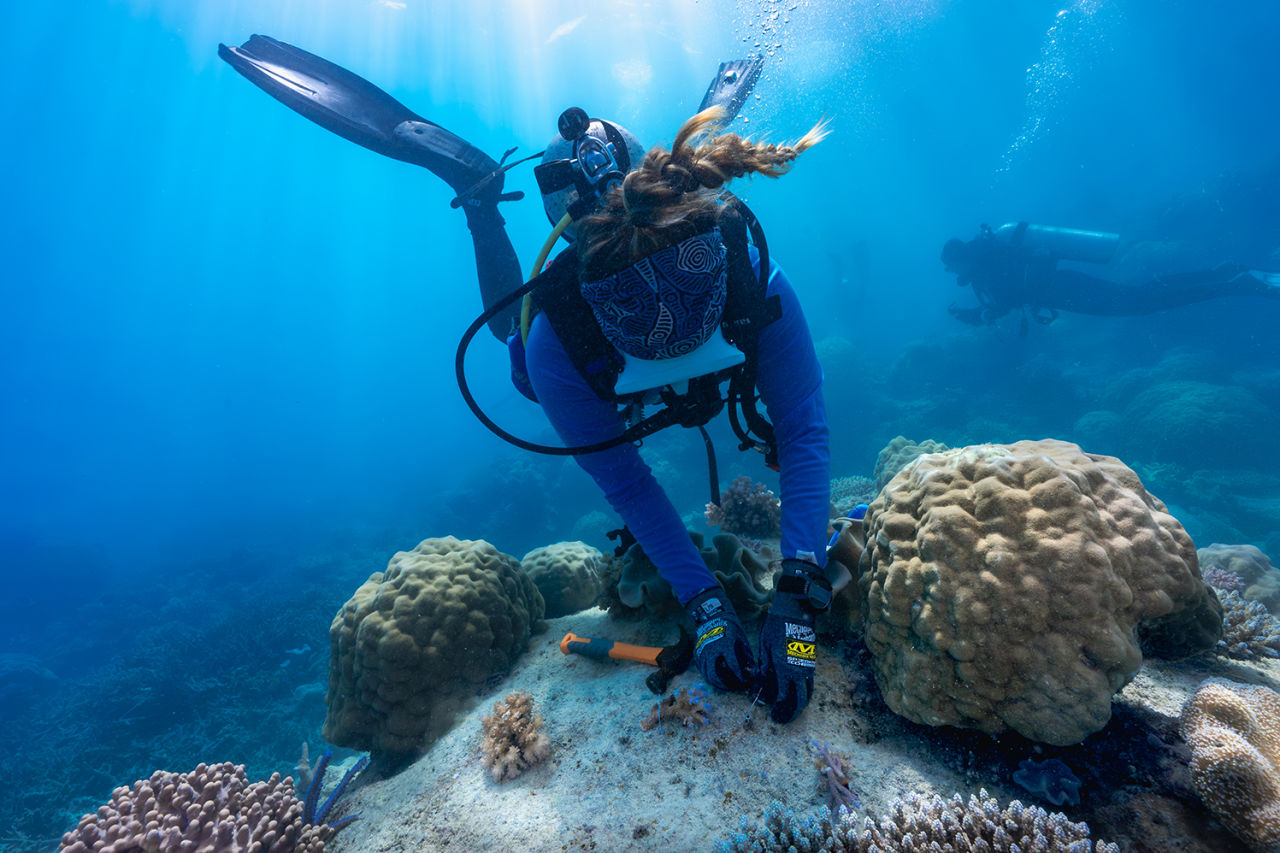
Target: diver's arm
(580, 417)
(790, 382)
(497, 267)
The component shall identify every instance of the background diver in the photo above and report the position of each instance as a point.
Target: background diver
(1015, 266)
(660, 289)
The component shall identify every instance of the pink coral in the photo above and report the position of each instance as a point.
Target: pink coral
(747, 509)
(211, 808)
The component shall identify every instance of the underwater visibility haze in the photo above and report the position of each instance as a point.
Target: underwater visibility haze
(229, 344)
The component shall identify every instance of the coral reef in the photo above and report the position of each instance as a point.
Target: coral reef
(848, 492)
(1261, 580)
(311, 784)
(1222, 580)
(418, 640)
(211, 808)
(895, 455)
(633, 587)
(1005, 586)
(918, 824)
(1234, 734)
(513, 738)
(747, 509)
(833, 768)
(1249, 630)
(1050, 780)
(567, 574)
(686, 704)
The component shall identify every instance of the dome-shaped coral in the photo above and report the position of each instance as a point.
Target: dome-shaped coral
(567, 574)
(1007, 587)
(417, 640)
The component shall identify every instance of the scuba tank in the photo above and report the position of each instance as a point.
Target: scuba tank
(1064, 244)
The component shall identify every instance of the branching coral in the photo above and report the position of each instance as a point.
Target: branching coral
(848, 492)
(1223, 579)
(747, 509)
(1249, 630)
(918, 824)
(513, 738)
(833, 768)
(687, 704)
(211, 808)
(1234, 734)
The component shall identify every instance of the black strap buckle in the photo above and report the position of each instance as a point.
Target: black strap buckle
(813, 591)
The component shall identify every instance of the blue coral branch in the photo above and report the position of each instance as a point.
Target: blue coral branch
(338, 791)
(312, 815)
(313, 790)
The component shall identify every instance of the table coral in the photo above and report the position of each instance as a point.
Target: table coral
(567, 574)
(417, 641)
(513, 739)
(213, 807)
(1234, 734)
(1010, 587)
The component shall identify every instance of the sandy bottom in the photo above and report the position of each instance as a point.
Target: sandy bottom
(609, 786)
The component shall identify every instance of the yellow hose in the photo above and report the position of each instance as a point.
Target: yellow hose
(526, 305)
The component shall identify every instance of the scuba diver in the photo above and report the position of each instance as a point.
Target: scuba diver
(665, 292)
(1015, 266)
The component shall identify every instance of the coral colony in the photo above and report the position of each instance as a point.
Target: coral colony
(687, 704)
(513, 738)
(747, 509)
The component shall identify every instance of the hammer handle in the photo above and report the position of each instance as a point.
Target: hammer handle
(602, 649)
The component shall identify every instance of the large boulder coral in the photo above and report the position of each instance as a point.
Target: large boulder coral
(417, 641)
(1234, 734)
(1017, 586)
(567, 574)
(900, 451)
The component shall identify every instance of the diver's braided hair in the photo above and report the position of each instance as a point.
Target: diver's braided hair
(669, 198)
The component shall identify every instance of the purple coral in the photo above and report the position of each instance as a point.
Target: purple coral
(832, 766)
(747, 509)
(1224, 579)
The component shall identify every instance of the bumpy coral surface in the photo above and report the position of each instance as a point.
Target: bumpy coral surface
(1007, 587)
(1234, 734)
(919, 825)
(895, 456)
(633, 586)
(567, 574)
(211, 808)
(513, 737)
(419, 639)
(1260, 579)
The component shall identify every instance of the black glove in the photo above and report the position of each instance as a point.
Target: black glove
(788, 643)
(721, 649)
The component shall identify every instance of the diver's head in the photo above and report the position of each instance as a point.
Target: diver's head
(955, 255)
(587, 158)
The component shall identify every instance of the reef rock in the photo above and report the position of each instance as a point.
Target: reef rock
(1017, 587)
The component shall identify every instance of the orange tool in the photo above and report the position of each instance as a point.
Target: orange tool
(600, 649)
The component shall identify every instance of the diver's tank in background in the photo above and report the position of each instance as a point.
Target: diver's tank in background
(1067, 244)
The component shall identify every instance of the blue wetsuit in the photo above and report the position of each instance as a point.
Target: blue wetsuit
(790, 382)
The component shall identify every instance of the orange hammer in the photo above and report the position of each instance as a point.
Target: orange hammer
(670, 660)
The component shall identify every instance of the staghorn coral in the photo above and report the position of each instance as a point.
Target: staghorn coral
(417, 641)
(1234, 734)
(211, 808)
(567, 574)
(1008, 587)
(1222, 580)
(747, 509)
(1261, 580)
(513, 738)
(1249, 630)
(918, 825)
(687, 704)
(833, 767)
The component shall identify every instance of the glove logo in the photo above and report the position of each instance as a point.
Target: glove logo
(710, 632)
(801, 654)
(800, 632)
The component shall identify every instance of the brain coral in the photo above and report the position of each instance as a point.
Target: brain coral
(1007, 587)
(1234, 734)
(895, 455)
(567, 574)
(419, 639)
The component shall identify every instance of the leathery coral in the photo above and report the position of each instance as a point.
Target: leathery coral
(213, 807)
(1010, 587)
(1234, 734)
(513, 738)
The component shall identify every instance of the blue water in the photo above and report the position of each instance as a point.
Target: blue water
(228, 336)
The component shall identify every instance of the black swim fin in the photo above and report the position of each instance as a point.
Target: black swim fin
(732, 84)
(355, 109)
